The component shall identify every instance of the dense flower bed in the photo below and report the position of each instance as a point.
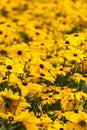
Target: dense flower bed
(43, 65)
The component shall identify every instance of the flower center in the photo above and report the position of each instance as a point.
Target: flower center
(9, 67)
(82, 123)
(76, 35)
(67, 42)
(3, 52)
(61, 69)
(19, 52)
(61, 129)
(76, 111)
(24, 83)
(0, 32)
(84, 75)
(11, 118)
(41, 66)
(75, 54)
(42, 74)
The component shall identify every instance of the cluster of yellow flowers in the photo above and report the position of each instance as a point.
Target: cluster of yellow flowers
(43, 65)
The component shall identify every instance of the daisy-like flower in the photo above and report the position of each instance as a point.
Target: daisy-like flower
(12, 102)
(30, 121)
(19, 53)
(10, 66)
(41, 69)
(9, 94)
(8, 32)
(77, 77)
(62, 70)
(44, 121)
(74, 54)
(78, 120)
(27, 88)
(56, 125)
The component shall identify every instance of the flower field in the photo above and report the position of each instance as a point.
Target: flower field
(43, 65)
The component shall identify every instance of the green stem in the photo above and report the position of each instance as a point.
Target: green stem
(9, 126)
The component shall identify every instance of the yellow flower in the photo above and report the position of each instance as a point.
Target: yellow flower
(6, 115)
(9, 94)
(8, 32)
(13, 79)
(10, 66)
(62, 70)
(56, 125)
(27, 88)
(74, 54)
(10, 100)
(13, 103)
(79, 120)
(73, 126)
(23, 87)
(30, 122)
(19, 53)
(77, 77)
(41, 69)
(45, 121)
(47, 98)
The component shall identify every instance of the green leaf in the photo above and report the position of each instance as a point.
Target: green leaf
(2, 127)
(25, 37)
